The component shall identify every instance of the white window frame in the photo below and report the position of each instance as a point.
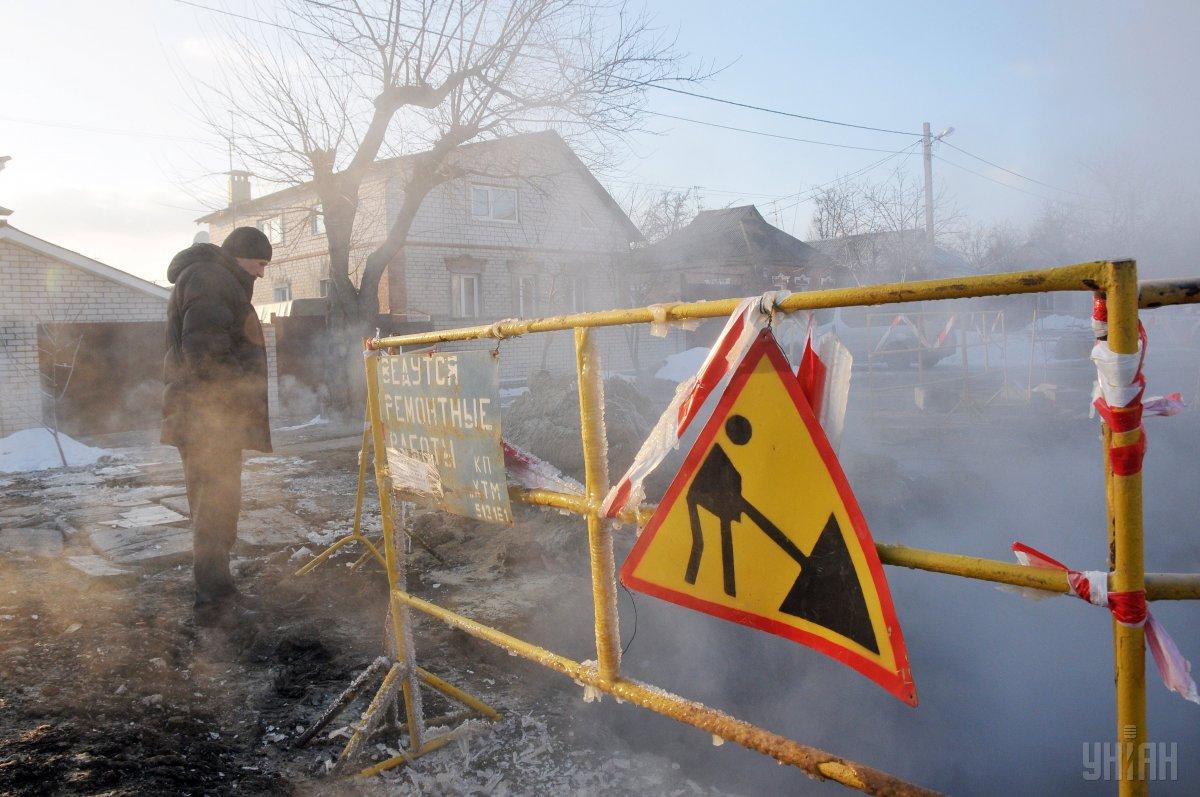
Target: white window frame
(465, 295)
(325, 288)
(525, 301)
(286, 288)
(490, 192)
(578, 295)
(317, 221)
(272, 227)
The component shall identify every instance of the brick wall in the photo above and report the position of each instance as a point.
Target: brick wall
(34, 289)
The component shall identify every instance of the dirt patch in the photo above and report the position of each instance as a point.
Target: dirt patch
(108, 687)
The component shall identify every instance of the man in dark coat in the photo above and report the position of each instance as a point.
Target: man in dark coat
(215, 398)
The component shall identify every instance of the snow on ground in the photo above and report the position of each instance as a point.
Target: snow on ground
(320, 420)
(679, 367)
(34, 449)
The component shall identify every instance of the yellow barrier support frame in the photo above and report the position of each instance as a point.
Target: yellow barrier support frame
(403, 678)
(1117, 280)
(355, 534)
(1126, 554)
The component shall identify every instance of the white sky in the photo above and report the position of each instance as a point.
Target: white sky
(1034, 86)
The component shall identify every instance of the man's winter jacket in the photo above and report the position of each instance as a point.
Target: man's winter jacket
(215, 373)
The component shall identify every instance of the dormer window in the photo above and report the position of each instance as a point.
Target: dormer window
(492, 203)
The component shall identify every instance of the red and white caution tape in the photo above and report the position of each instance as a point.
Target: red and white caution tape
(743, 326)
(534, 473)
(1170, 404)
(824, 374)
(1120, 384)
(1128, 608)
(946, 330)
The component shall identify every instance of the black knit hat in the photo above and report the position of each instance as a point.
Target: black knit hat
(247, 242)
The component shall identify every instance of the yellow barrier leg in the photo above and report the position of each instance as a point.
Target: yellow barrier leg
(595, 466)
(1128, 563)
(356, 529)
(395, 563)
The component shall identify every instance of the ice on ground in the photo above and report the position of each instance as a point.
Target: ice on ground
(679, 367)
(320, 420)
(510, 394)
(34, 449)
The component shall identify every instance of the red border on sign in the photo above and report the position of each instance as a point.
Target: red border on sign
(899, 682)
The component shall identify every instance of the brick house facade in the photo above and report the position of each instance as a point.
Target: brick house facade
(41, 284)
(527, 231)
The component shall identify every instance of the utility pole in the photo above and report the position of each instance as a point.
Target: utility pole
(927, 143)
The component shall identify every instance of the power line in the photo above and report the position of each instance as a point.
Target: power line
(1009, 171)
(811, 193)
(991, 179)
(660, 87)
(764, 133)
(630, 81)
(259, 20)
(106, 130)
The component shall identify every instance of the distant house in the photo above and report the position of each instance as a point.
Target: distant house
(59, 308)
(526, 231)
(886, 257)
(723, 253)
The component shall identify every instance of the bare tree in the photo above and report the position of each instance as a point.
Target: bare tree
(988, 248)
(658, 213)
(339, 85)
(879, 226)
(58, 351)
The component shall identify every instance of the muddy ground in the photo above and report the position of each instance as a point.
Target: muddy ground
(108, 687)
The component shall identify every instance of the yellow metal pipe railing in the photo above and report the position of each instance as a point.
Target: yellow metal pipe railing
(595, 466)
(814, 761)
(1128, 563)
(1159, 586)
(1079, 277)
(1160, 293)
(1117, 280)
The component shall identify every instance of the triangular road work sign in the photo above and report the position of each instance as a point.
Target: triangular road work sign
(760, 527)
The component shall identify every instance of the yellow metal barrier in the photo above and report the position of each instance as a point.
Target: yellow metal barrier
(1116, 280)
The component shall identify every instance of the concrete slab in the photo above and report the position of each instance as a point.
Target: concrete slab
(16, 518)
(31, 542)
(145, 545)
(92, 513)
(149, 515)
(97, 567)
(177, 503)
(271, 528)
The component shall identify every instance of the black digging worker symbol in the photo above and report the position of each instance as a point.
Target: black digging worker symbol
(826, 592)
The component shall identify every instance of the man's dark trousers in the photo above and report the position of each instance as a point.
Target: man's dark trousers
(213, 476)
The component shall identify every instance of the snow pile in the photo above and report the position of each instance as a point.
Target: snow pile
(34, 449)
(1057, 322)
(679, 367)
(320, 420)
(545, 422)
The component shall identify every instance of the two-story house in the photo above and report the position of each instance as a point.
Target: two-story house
(525, 231)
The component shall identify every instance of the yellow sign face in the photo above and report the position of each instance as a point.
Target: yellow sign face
(760, 527)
